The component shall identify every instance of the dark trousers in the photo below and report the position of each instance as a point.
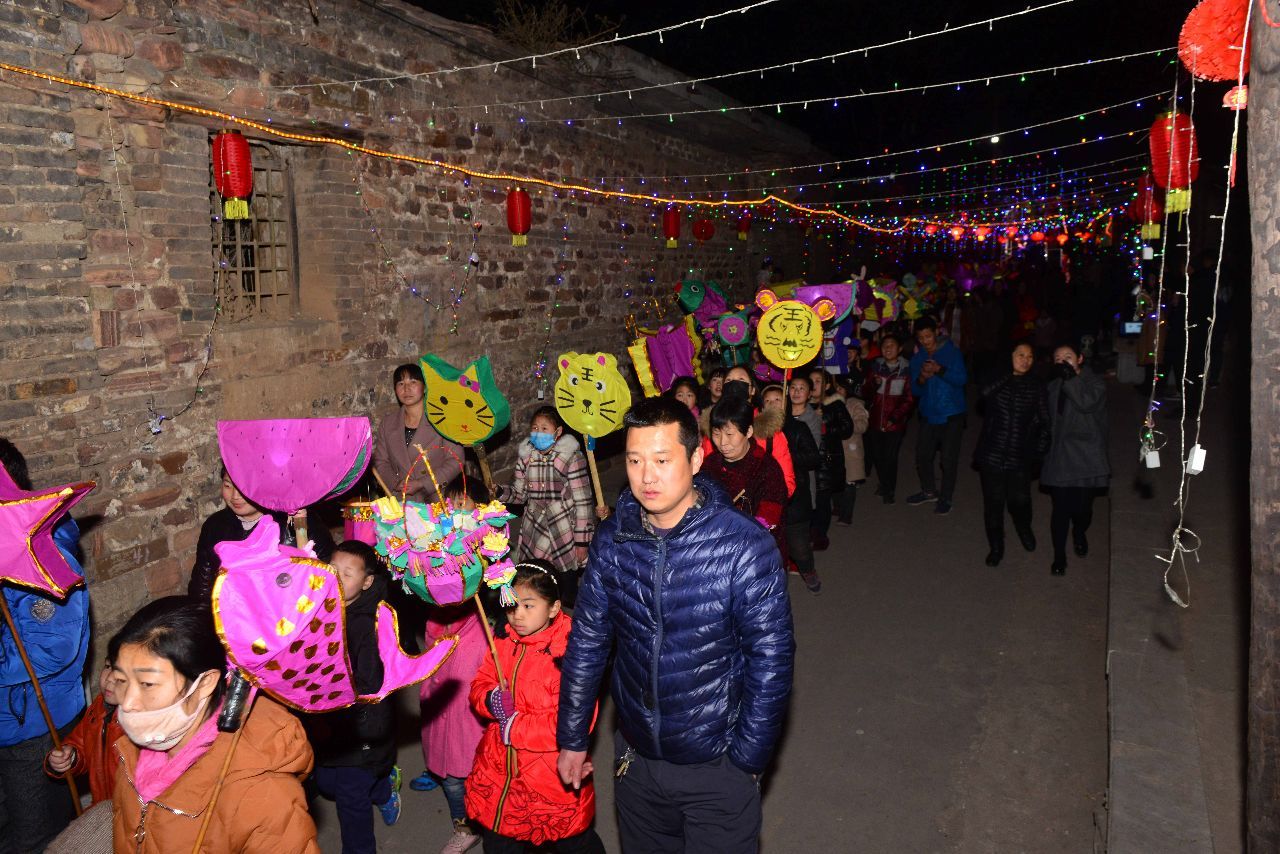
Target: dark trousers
(1001, 489)
(587, 842)
(354, 790)
(933, 438)
(884, 448)
(820, 522)
(845, 502)
(707, 808)
(34, 808)
(1072, 508)
(800, 544)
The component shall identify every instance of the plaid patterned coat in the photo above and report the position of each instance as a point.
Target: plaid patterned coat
(559, 507)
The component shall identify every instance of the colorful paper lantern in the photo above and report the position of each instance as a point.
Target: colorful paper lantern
(1147, 209)
(519, 216)
(957, 232)
(1062, 238)
(291, 463)
(1211, 38)
(463, 405)
(1175, 158)
(671, 226)
(981, 233)
(591, 394)
(703, 230)
(1011, 231)
(744, 225)
(1037, 237)
(233, 173)
(931, 229)
(1237, 97)
(790, 332)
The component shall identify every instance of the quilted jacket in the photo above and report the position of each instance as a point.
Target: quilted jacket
(1015, 424)
(702, 625)
(942, 396)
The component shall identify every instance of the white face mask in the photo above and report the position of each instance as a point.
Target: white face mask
(161, 729)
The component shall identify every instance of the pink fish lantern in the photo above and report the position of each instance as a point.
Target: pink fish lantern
(280, 614)
(289, 463)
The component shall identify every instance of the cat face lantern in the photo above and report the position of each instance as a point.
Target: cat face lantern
(591, 395)
(465, 405)
(790, 332)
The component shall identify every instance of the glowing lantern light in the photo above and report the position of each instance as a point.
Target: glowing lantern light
(981, 232)
(1011, 231)
(703, 230)
(233, 173)
(671, 226)
(519, 216)
(931, 229)
(1037, 237)
(1062, 238)
(1175, 159)
(957, 232)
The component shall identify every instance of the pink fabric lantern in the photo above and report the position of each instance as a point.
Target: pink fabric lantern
(289, 463)
(27, 520)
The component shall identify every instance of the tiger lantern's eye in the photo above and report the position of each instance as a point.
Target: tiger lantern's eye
(600, 386)
(469, 404)
(573, 379)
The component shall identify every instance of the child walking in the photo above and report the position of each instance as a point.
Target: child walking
(514, 790)
(552, 482)
(88, 750)
(355, 747)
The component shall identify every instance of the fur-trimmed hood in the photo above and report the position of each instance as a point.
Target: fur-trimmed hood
(764, 425)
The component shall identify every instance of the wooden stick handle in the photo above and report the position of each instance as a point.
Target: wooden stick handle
(35, 684)
(483, 459)
(382, 483)
(217, 787)
(595, 477)
(488, 633)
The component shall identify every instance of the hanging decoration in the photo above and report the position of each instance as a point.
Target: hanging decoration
(1037, 237)
(703, 230)
(1212, 37)
(744, 225)
(671, 226)
(1147, 209)
(1175, 158)
(519, 216)
(1237, 97)
(233, 173)
(790, 332)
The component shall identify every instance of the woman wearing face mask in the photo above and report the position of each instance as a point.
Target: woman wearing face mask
(169, 668)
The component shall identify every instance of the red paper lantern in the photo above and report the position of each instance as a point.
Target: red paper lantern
(1011, 231)
(233, 173)
(981, 232)
(1062, 238)
(703, 230)
(957, 232)
(744, 225)
(519, 216)
(1237, 97)
(1211, 37)
(671, 226)
(1175, 158)
(931, 229)
(1147, 209)
(1037, 237)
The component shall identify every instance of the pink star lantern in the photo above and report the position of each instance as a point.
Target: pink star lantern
(26, 535)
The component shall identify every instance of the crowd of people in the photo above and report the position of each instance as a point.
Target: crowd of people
(679, 591)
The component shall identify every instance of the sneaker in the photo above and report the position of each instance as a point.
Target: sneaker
(391, 809)
(848, 523)
(424, 782)
(922, 498)
(812, 581)
(461, 840)
(943, 507)
(1059, 567)
(887, 498)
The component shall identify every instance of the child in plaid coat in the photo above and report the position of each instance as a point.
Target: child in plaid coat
(552, 481)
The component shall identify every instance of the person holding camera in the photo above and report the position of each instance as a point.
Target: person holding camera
(1076, 468)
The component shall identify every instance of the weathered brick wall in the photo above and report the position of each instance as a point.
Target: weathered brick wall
(106, 277)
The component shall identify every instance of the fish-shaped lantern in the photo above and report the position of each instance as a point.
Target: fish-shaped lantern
(280, 614)
(290, 463)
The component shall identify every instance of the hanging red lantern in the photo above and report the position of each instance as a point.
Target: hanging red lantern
(1011, 231)
(1062, 238)
(1037, 237)
(981, 232)
(233, 173)
(1175, 158)
(519, 216)
(671, 226)
(1237, 97)
(1211, 38)
(744, 225)
(931, 229)
(957, 232)
(703, 230)
(1002, 239)
(1147, 209)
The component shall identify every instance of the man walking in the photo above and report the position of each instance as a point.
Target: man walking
(937, 378)
(694, 594)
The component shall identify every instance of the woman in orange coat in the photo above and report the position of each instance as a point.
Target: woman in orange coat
(514, 790)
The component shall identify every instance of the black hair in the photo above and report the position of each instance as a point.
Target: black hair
(926, 322)
(408, 371)
(541, 576)
(657, 411)
(892, 335)
(804, 378)
(364, 551)
(718, 371)
(180, 630)
(688, 382)
(15, 464)
(472, 487)
(550, 413)
(732, 409)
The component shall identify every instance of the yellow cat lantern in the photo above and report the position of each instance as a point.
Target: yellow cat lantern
(790, 332)
(591, 395)
(465, 405)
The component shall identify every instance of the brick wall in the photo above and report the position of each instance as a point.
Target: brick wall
(107, 291)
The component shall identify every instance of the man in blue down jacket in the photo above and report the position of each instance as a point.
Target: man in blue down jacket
(693, 594)
(938, 376)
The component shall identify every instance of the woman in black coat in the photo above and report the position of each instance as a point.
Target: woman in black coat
(1015, 435)
(837, 425)
(1076, 469)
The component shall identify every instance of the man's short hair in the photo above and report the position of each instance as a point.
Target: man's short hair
(926, 322)
(657, 411)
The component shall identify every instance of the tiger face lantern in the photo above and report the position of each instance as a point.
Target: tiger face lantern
(591, 394)
(790, 332)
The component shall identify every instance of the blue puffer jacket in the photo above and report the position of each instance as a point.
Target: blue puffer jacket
(942, 396)
(56, 637)
(702, 623)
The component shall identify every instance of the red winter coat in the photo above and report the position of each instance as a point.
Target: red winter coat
(94, 741)
(516, 791)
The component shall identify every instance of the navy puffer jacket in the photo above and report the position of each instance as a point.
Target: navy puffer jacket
(702, 624)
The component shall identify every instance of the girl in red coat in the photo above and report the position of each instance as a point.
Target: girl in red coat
(514, 791)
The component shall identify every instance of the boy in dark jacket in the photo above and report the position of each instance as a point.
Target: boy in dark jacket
(355, 746)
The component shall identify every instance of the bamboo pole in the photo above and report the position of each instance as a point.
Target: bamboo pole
(488, 633)
(483, 459)
(35, 684)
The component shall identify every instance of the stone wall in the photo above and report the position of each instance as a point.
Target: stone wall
(107, 287)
